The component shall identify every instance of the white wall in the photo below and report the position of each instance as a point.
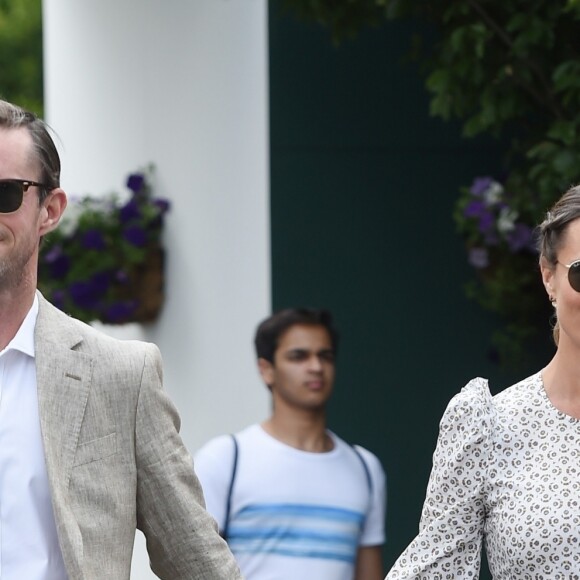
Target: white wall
(182, 84)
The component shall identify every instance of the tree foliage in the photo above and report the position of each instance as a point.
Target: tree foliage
(508, 68)
(21, 77)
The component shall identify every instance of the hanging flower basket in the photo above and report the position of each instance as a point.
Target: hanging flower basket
(106, 260)
(140, 296)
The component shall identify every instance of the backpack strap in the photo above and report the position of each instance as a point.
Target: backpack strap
(365, 467)
(224, 533)
(368, 476)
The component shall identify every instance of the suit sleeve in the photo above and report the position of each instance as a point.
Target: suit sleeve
(182, 538)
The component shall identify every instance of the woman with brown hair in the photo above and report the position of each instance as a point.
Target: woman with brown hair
(506, 469)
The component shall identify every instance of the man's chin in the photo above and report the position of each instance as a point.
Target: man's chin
(10, 277)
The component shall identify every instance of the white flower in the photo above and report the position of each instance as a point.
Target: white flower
(493, 193)
(77, 205)
(506, 220)
(69, 221)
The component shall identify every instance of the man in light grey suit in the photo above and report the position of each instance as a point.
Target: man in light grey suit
(89, 443)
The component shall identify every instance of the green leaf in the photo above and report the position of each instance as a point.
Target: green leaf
(567, 76)
(565, 161)
(563, 131)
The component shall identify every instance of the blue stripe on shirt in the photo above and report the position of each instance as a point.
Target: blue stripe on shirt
(297, 530)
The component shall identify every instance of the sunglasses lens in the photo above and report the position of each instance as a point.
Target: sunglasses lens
(574, 276)
(11, 193)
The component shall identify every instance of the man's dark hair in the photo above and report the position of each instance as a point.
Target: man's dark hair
(44, 149)
(270, 330)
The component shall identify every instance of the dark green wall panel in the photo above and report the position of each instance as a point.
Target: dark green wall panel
(363, 184)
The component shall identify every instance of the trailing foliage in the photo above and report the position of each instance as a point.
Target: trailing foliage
(508, 68)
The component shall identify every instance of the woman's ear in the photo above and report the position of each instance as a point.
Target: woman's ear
(52, 209)
(547, 271)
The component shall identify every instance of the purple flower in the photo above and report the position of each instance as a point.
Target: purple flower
(486, 221)
(130, 211)
(60, 266)
(479, 185)
(93, 240)
(58, 262)
(86, 294)
(101, 282)
(478, 209)
(135, 235)
(53, 254)
(520, 238)
(478, 258)
(83, 294)
(120, 311)
(135, 182)
(162, 205)
(57, 299)
(474, 208)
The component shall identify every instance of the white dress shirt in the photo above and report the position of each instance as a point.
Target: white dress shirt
(29, 548)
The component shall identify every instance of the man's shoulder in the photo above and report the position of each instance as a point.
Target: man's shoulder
(341, 443)
(225, 443)
(218, 456)
(55, 325)
(370, 460)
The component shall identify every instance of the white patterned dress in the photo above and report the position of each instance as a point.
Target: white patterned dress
(507, 470)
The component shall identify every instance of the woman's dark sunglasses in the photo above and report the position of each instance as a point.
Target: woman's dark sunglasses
(12, 193)
(573, 274)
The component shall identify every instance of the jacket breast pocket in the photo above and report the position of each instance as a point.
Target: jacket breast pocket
(96, 449)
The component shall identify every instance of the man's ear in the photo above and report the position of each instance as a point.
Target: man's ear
(266, 369)
(51, 211)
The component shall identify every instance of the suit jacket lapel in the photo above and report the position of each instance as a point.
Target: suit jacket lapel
(63, 377)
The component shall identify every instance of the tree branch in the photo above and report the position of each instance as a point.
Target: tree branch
(546, 99)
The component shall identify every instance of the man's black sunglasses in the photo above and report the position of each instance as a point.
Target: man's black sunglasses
(12, 193)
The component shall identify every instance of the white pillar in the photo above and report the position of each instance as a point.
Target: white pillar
(182, 84)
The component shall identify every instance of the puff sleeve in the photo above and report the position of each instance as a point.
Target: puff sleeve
(451, 530)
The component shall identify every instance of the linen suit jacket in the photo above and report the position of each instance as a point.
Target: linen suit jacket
(115, 460)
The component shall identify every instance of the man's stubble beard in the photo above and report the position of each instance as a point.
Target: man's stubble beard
(14, 269)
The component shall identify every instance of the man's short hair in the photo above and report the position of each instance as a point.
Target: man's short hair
(272, 328)
(14, 117)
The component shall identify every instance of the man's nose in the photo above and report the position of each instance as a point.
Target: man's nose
(315, 364)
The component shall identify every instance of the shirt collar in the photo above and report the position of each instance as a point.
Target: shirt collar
(24, 338)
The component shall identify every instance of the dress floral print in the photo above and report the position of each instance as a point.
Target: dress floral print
(506, 470)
